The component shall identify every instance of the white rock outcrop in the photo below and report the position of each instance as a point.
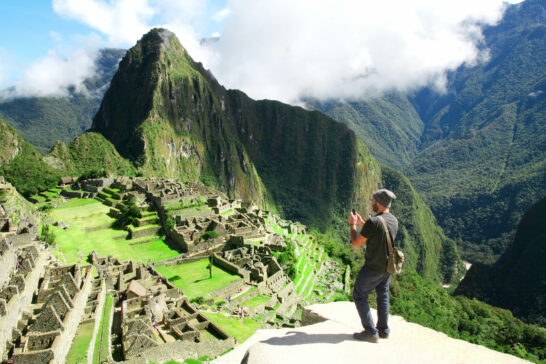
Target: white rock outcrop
(331, 341)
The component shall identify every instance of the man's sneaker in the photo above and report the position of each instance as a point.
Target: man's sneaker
(383, 335)
(363, 336)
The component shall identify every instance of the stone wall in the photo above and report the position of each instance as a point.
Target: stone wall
(42, 356)
(230, 288)
(73, 320)
(21, 239)
(71, 194)
(98, 316)
(181, 350)
(20, 303)
(7, 262)
(230, 267)
(144, 232)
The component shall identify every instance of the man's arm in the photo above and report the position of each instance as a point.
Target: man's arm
(356, 239)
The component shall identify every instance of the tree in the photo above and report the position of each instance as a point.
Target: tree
(209, 267)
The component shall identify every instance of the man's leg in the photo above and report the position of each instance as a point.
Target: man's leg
(364, 284)
(382, 291)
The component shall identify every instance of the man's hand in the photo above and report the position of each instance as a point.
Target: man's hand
(356, 239)
(356, 219)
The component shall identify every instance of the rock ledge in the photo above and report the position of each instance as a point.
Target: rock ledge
(331, 341)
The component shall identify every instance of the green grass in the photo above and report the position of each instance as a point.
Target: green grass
(234, 327)
(38, 198)
(50, 194)
(138, 228)
(256, 301)
(193, 278)
(80, 345)
(101, 346)
(88, 213)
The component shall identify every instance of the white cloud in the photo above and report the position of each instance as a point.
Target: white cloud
(54, 74)
(221, 15)
(122, 21)
(285, 50)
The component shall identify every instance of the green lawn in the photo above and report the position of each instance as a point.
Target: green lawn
(234, 327)
(193, 278)
(256, 301)
(102, 345)
(80, 213)
(80, 345)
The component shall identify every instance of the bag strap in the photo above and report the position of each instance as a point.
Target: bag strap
(389, 241)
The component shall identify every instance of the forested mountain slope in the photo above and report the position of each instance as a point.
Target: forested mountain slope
(518, 280)
(477, 153)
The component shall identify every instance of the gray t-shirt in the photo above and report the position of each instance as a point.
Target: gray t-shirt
(376, 246)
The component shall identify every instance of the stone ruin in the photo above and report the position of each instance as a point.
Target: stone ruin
(260, 269)
(149, 321)
(156, 319)
(42, 303)
(57, 300)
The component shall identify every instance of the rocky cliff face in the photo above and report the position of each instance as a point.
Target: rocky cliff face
(10, 143)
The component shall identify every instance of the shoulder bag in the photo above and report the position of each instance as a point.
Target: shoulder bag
(396, 257)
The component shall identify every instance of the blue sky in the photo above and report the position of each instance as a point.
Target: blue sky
(31, 28)
(276, 49)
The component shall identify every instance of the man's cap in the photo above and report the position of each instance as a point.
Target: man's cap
(384, 197)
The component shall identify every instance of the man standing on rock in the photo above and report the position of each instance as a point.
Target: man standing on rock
(373, 274)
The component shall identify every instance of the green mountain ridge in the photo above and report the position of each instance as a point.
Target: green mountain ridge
(518, 280)
(30, 172)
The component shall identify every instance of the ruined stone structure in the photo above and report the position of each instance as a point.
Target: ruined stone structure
(149, 321)
(59, 303)
(42, 303)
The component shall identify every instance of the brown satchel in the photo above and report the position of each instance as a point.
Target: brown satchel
(396, 257)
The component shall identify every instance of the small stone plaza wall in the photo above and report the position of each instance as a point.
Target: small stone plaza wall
(230, 288)
(144, 232)
(230, 267)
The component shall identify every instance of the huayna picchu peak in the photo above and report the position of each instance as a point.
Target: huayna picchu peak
(169, 115)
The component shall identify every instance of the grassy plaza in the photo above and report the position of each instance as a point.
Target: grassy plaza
(194, 279)
(82, 214)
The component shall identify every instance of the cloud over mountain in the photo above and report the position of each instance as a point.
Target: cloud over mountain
(286, 50)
